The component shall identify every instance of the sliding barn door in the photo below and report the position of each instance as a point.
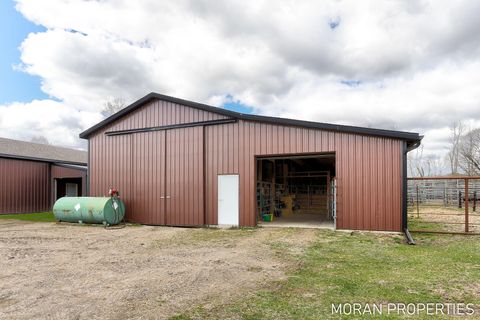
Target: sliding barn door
(184, 177)
(148, 178)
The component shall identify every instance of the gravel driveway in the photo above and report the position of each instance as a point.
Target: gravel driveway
(63, 271)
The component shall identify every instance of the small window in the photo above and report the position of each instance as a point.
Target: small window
(71, 190)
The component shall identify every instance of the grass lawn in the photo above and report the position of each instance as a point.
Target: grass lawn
(38, 216)
(420, 224)
(365, 268)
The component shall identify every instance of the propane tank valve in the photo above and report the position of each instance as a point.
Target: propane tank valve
(113, 192)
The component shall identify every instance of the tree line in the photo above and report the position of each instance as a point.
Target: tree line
(463, 157)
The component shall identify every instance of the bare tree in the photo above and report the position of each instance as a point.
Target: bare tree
(469, 152)
(434, 166)
(415, 163)
(421, 165)
(457, 129)
(39, 139)
(113, 106)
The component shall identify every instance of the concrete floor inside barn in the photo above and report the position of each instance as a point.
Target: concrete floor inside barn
(300, 220)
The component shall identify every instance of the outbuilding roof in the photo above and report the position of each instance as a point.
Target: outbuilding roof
(41, 152)
(411, 137)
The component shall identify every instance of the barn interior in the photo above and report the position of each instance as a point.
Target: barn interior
(296, 191)
(67, 187)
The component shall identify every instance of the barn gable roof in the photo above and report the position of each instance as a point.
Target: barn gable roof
(17, 149)
(411, 137)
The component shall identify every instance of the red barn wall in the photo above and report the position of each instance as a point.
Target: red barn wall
(369, 169)
(24, 186)
(132, 163)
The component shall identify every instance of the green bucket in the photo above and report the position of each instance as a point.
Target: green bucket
(267, 217)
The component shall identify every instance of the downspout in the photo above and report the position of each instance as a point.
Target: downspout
(87, 178)
(406, 150)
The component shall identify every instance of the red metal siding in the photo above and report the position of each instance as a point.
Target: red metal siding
(184, 177)
(162, 113)
(110, 166)
(222, 156)
(24, 186)
(368, 169)
(148, 178)
(111, 157)
(64, 172)
(139, 167)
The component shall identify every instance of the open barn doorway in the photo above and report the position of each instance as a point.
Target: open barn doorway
(68, 187)
(296, 191)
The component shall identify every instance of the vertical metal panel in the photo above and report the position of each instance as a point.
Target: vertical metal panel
(111, 162)
(147, 203)
(66, 172)
(184, 177)
(161, 113)
(24, 186)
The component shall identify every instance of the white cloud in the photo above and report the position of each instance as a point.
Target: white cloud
(50, 119)
(416, 64)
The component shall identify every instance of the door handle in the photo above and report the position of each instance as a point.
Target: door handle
(162, 197)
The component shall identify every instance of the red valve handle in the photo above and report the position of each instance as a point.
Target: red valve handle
(113, 192)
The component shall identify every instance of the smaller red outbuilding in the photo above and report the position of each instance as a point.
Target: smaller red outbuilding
(33, 175)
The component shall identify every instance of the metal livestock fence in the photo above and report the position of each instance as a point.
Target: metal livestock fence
(444, 204)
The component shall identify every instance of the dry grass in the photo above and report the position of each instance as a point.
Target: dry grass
(439, 218)
(365, 268)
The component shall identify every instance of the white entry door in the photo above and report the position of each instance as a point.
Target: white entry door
(71, 189)
(228, 191)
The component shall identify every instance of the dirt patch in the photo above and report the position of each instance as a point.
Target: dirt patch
(86, 272)
(446, 218)
(460, 291)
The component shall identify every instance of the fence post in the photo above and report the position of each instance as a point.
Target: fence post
(474, 201)
(445, 200)
(459, 199)
(418, 204)
(466, 204)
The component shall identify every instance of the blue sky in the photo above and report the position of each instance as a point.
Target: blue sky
(15, 85)
(236, 105)
(18, 86)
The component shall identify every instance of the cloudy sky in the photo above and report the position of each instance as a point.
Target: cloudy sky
(405, 65)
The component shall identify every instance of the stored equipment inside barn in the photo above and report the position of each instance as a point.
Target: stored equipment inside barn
(298, 189)
(183, 163)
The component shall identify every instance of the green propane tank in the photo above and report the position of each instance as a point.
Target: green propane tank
(106, 210)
